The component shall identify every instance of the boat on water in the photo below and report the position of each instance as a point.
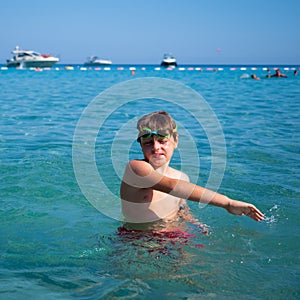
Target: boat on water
(95, 61)
(30, 59)
(169, 60)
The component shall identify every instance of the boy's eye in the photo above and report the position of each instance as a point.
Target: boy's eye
(151, 142)
(163, 141)
(147, 143)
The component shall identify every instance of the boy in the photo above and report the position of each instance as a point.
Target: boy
(151, 190)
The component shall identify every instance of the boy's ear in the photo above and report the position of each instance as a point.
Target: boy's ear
(175, 141)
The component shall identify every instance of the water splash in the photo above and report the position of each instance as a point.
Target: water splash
(274, 215)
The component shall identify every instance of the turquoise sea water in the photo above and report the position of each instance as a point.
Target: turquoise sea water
(56, 245)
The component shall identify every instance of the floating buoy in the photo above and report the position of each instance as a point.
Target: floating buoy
(69, 68)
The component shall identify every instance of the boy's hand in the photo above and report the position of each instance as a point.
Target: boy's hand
(242, 208)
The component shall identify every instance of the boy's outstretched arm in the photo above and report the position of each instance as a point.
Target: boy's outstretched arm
(142, 175)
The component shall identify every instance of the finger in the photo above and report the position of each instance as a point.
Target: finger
(259, 214)
(255, 214)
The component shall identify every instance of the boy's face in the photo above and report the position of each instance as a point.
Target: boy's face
(158, 151)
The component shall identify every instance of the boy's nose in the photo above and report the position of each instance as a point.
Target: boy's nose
(156, 144)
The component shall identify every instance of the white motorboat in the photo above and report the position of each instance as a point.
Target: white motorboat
(169, 61)
(30, 59)
(95, 61)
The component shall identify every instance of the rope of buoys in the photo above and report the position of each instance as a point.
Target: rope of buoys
(187, 68)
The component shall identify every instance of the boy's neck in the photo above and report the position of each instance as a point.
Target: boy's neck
(162, 169)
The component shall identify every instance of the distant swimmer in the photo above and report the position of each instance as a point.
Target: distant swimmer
(253, 76)
(278, 74)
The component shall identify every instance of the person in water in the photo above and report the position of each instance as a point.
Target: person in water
(253, 76)
(151, 190)
(279, 74)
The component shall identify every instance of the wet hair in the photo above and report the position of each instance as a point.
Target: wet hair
(158, 120)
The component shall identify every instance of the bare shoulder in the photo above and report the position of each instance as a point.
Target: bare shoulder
(142, 168)
(139, 167)
(138, 163)
(141, 174)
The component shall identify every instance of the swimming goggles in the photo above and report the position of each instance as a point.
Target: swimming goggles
(147, 133)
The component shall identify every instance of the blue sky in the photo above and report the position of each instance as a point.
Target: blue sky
(141, 31)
